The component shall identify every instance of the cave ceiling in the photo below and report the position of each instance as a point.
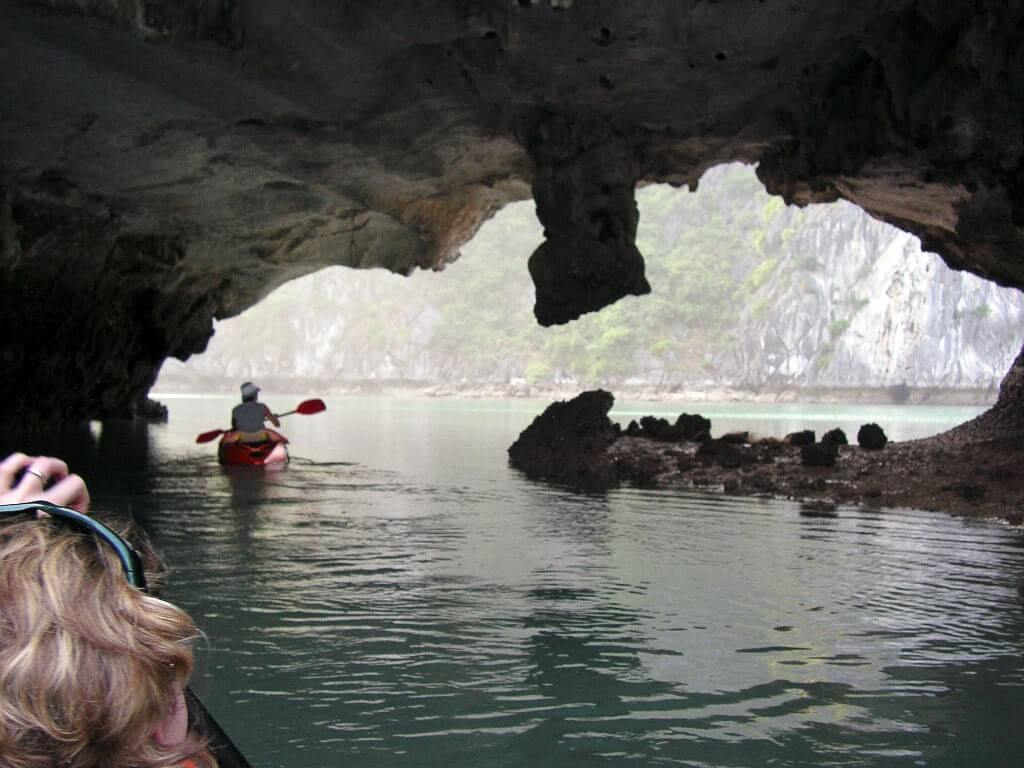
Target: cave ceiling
(169, 162)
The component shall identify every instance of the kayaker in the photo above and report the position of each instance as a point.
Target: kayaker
(94, 666)
(249, 416)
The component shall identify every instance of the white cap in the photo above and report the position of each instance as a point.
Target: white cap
(249, 390)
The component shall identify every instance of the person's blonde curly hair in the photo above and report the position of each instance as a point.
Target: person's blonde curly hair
(87, 661)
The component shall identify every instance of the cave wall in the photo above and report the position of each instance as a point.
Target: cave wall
(167, 163)
(86, 333)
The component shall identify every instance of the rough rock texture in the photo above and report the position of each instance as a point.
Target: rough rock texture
(187, 157)
(854, 301)
(871, 437)
(819, 454)
(803, 437)
(835, 437)
(1004, 422)
(981, 480)
(569, 442)
(686, 427)
(92, 308)
(965, 471)
(846, 301)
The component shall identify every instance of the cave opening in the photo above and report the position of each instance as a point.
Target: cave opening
(752, 301)
(167, 164)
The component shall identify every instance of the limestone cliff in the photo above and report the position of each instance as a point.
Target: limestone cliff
(187, 157)
(819, 297)
(851, 302)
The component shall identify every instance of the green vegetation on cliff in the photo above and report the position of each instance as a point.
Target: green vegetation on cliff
(746, 291)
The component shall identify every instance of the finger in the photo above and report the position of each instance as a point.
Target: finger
(70, 491)
(38, 475)
(9, 469)
(45, 470)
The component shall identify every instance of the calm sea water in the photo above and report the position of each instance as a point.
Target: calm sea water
(399, 596)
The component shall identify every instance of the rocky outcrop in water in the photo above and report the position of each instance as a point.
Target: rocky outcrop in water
(569, 442)
(871, 437)
(819, 454)
(964, 472)
(238, 146)
(688, 426)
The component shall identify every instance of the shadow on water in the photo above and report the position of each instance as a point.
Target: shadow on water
(77, 445)
(115, 459)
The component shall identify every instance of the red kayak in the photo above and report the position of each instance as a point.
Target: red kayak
(269, 452)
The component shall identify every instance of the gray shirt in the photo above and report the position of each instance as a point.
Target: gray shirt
(248, 417)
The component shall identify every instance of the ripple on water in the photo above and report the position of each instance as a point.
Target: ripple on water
(371, 616)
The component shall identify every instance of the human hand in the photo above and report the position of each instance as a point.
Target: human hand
(43, 478)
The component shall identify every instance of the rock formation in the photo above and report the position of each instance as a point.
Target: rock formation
(871, 437)
(569, 443)
(823, 296)
(168, 163)
(965, 471)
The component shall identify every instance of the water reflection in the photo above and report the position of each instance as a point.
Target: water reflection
(249, 485)
(423, 605)
(818, 509)
(114, 457)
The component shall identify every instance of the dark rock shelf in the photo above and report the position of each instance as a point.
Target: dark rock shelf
(962, 472)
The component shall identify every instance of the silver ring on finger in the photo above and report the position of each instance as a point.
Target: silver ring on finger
(42, 477)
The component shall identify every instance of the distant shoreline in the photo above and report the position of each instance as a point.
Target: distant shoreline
(899, 395)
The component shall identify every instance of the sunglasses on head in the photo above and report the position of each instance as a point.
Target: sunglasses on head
(225, 750)
(131, 562)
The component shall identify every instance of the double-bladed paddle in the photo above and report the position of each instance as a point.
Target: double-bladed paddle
(306, 408)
